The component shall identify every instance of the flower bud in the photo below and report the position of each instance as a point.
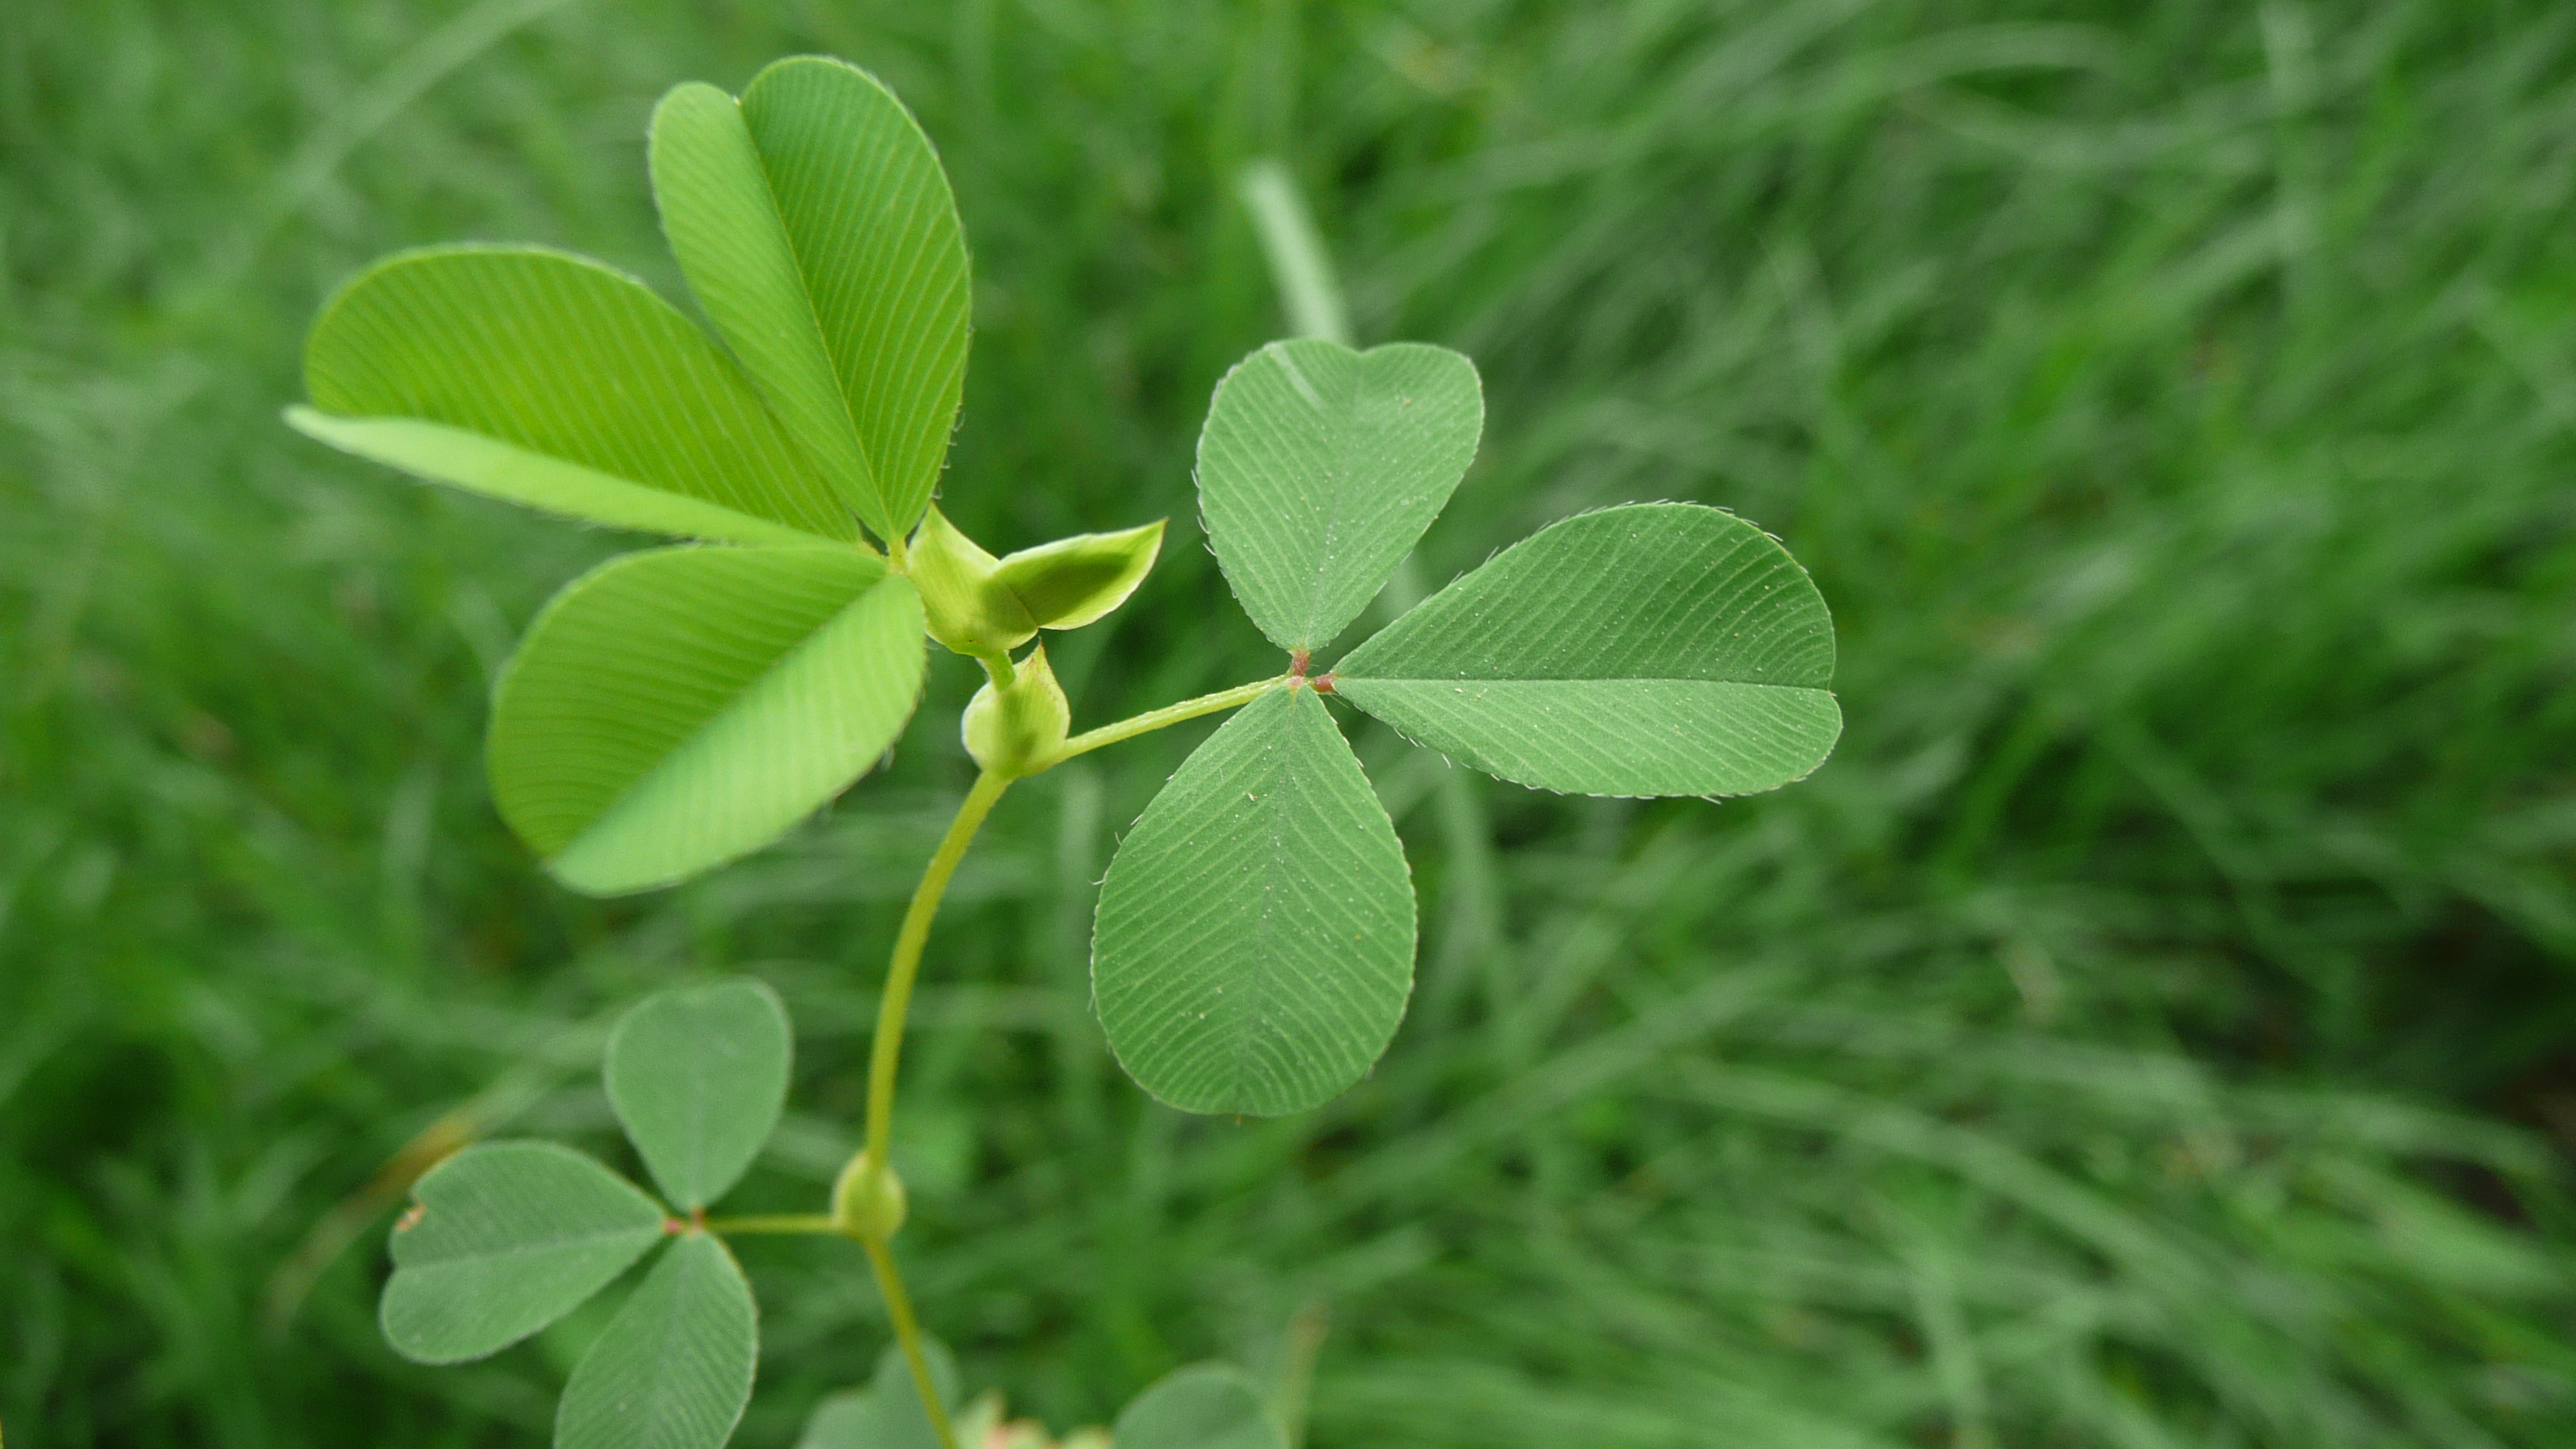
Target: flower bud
(871, 1216)
(1072, 581)
(964, 603)
(1012, 728)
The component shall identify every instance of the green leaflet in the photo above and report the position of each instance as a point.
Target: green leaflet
(1204, 1406)
(1655, 649)
(673, 1369)
(876, 237)
(723, 225)
(581, 377)
(674, 709)
(887, 1414)
(496, 469)
(1254, 946)
(506, 1238)
(1318, 469)
(698, 1076)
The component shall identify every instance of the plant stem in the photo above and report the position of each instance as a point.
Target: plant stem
(1154, 719)
(775, 1223)
(907, 1331)
(885, 1052)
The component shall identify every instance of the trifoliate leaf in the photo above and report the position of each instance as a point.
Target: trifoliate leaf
(673, 1369)
(1204, 1406)
(674, 709)
(553, 381)
(1318, 469)
(698, 1076)
(1655, 649)
(505, 1238)
(1254, 946)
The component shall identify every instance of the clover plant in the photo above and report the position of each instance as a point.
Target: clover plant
(679, 707)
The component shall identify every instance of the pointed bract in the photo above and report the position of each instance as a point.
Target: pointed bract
(1079, 580)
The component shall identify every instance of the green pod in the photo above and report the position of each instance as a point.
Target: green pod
(1010, 729)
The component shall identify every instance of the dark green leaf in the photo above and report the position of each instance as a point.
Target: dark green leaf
(673, 1369)
(506, 1238)
(698, 1075)
(1255, 938)
(1319, 468)
(1656, 649)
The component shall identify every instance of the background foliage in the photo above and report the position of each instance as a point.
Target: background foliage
(2152, 1028)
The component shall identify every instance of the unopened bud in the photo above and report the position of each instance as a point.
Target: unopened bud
(866, 1206)
(1012, 728)
(964, 603)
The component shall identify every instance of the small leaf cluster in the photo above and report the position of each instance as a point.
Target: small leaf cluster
(505, 1238)
(679, 707)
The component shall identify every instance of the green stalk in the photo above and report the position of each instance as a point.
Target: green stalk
(885, 1052)
(1154, 719)
(773, 1223)
(907, 1331)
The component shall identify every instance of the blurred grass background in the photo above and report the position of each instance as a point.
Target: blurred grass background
(2155, 1027)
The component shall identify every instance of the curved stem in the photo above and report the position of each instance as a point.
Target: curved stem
(907, 1332)
(885, 1055)
(885, 1052)
(1154, 719)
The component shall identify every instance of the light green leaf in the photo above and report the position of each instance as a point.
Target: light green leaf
(1254, 946)
(876, 237)
(579, 376)
(1656, 649)
(723, 225)
(887, 1414)
(1319, 467)
(698, 1075)
(1204, 1406)
(674, 709)
(673, 1369)
(1075, 581)
(496, 469)
(505, 1238)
